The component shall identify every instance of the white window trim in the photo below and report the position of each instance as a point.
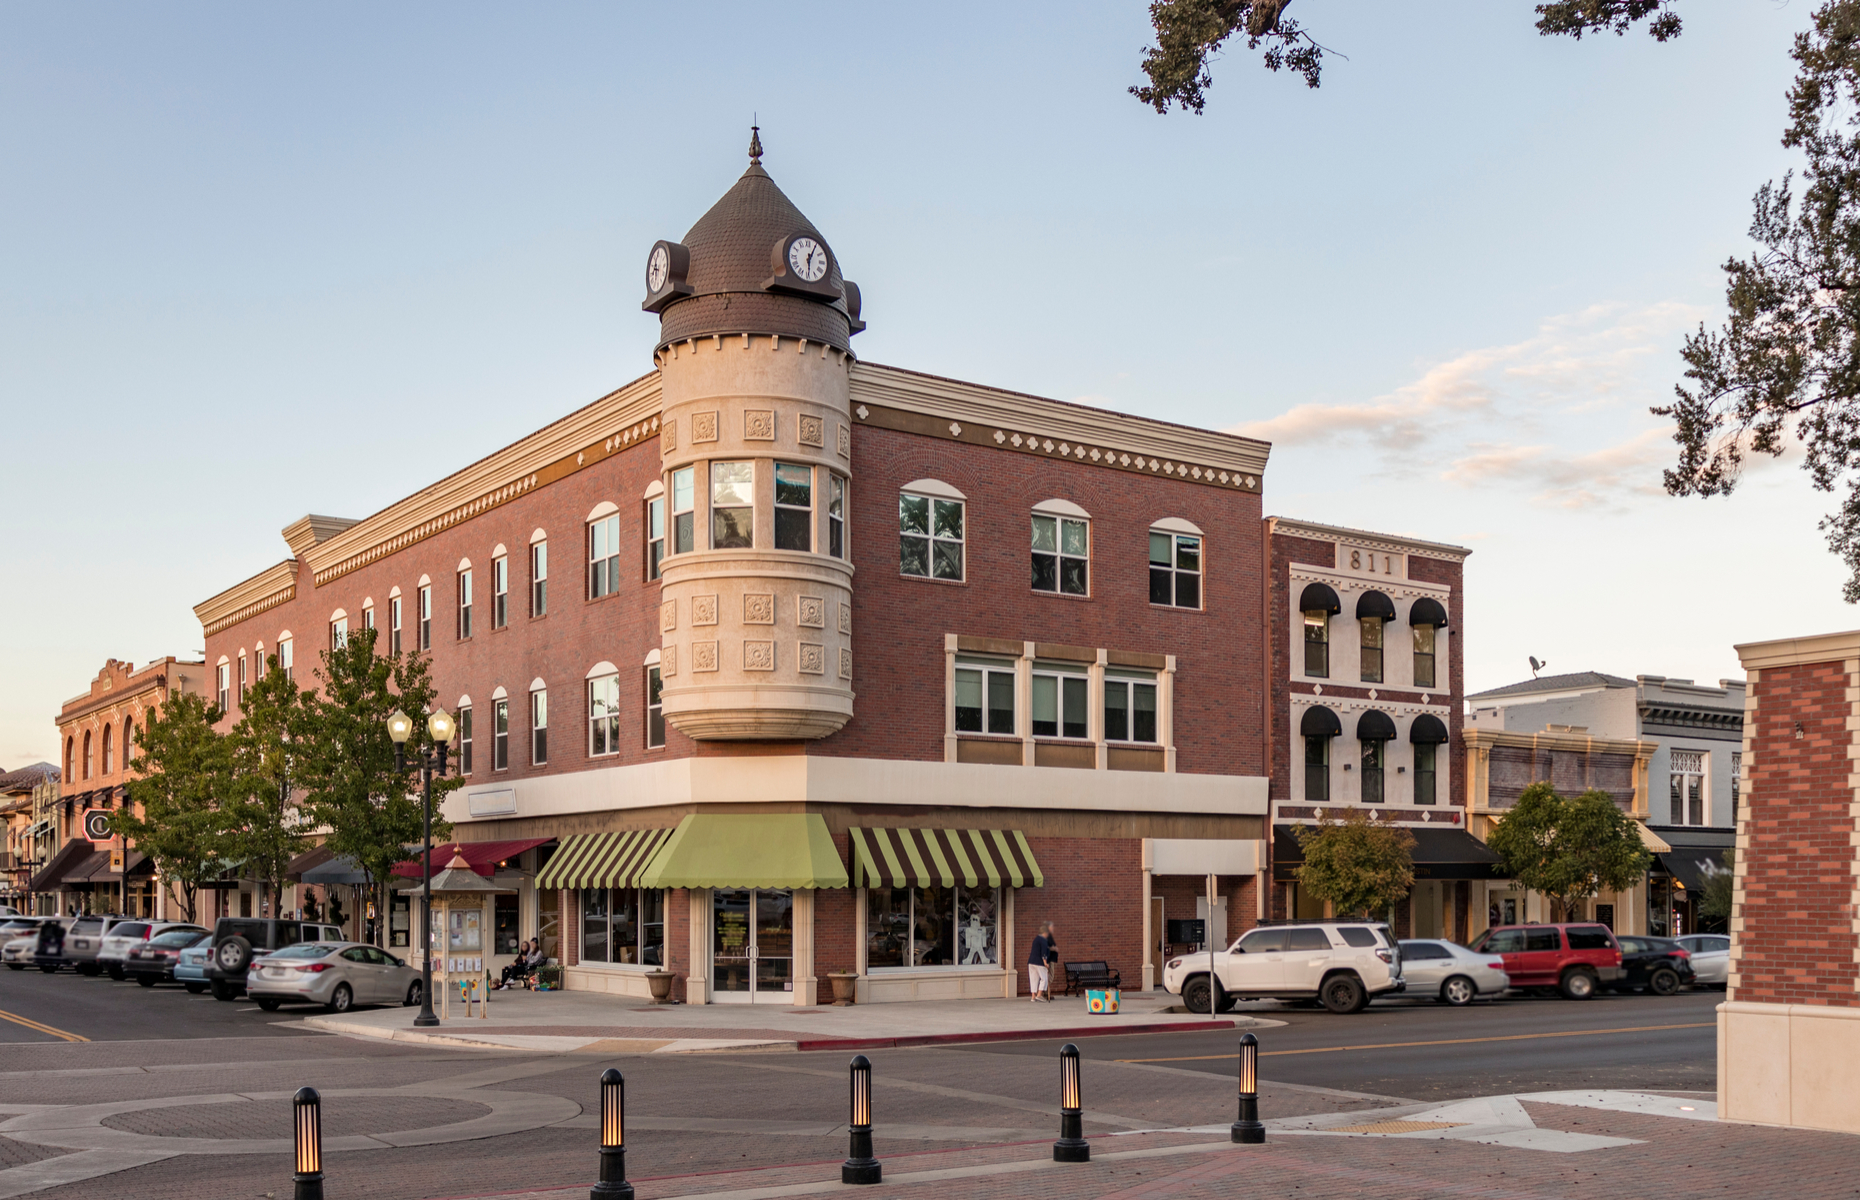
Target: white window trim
(597, 671)
(464, 565)
(500, 694)
(932, 487)
(538, 536)
(1178, 525)
(605, 508)
(654, 490)
(1061, 508)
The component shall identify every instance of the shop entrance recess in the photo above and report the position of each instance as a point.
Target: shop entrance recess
(752, 946)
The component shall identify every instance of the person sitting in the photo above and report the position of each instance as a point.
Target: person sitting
(517, 971)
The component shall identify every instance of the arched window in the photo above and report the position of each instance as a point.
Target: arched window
(539, 723)
(1319, 604)
(109, 760)
(129, 741)
(1061, 548)
(1318, 726)
(603, 710)
(1175, 563)
(90, 759)
(1428, 734)
(603, 550)
(1375, 731)
(931, 518)
(1373, 612)
(1427, 617)
(70, 759)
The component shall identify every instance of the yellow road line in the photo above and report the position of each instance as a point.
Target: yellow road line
(1511, 1037)
(29, 1023)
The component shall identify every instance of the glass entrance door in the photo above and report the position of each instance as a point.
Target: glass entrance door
(752, 945)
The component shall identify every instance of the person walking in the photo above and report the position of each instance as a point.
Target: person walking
(1052, 958)
(1036, 965)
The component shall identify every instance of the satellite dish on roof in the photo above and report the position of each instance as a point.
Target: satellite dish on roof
(1536, 666)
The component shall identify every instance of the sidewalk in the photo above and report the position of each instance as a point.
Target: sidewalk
(570, 1021)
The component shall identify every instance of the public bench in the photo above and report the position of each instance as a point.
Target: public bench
(1099, 974)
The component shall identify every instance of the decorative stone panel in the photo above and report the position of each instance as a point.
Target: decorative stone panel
(758, 656)
(811, 430)
(810, 612)
(758, 425)
(668, 435)
(703, 656)
(845, 442)
(668, 616)
(704, 609)
(845, 664)
(704, 426)
(813, 659)
(668, 661)
(758, 608)
(846, 619)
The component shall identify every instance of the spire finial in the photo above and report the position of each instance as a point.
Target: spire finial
(755, 145)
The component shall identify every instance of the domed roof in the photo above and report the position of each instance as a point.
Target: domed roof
(731, 248)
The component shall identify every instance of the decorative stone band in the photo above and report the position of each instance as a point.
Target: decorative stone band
(597, 860)
(943, 858)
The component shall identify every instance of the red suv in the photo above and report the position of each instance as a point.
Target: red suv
(1574, 959)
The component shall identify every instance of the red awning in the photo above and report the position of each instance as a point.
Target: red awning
(482, 857)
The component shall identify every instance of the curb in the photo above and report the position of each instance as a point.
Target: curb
(1012, 1035)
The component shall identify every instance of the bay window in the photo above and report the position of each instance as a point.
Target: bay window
(836, 516)
(794, 507)
(684, 514)
(732, 506)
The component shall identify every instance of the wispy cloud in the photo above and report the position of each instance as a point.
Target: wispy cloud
(1570, 480)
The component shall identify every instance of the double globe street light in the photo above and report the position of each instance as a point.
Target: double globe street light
(440, 727)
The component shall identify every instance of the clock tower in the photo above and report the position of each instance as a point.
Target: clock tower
(754, 356)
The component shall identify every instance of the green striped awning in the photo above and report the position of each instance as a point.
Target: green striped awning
(593, 860)
(943, 858)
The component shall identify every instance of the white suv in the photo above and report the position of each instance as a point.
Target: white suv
(1342, 964)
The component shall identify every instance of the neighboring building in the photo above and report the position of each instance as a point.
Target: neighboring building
(774, 664)
(1789, 1030)
(18, 817)
(1366, 684)
(97, 734)
(1689, 805)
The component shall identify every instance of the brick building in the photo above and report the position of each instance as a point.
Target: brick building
(774, 664)
(1789, 1030)
(20, 793)
(97, 735)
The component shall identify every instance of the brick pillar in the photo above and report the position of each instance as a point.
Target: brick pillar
(678, 939)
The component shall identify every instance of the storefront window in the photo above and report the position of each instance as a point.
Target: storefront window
(623, 925)
(932, 927)
(504, 926)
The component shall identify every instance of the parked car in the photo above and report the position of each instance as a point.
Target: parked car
(337, 975)
(1342, 964)
(1575, 959)
(192, 967)
(1450, 972)
(48, 947)
(238, 940)
(120, 938)
(84, 941)
(18, 936)
(1657, 965)
(1711, 957)
(153, 961)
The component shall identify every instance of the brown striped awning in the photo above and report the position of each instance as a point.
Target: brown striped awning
(943, 858)
(595, 860)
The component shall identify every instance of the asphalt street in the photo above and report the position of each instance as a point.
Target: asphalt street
(98, 1008)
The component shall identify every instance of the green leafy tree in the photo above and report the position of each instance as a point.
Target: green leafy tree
(265, 826)
(1360, 866)
(183, 764)
(1715, 900)
(1787, 360)
(369, 809)
(1569, 848)
(1191, 33)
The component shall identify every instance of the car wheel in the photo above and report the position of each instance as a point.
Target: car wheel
(225, 991)
(16, 966)
(1663, 982)
(194, 989)
(1196, 995)
(146, 980)
(1343, 994)
(413, 994)
(268, 1003)
(1458, 991)
(1578, 985)
(118, 974)
(87, 970)
(49, 968)
(342, 999)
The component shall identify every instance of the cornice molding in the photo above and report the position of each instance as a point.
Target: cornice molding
(1793, 652)
(267, 589)
(931, 406)
(1488, 739)
(1406, 587)
(1381, 542)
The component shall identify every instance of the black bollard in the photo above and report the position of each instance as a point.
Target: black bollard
(1071, 1146)
(860, 1166)
(307, 1128)
(1246, 1128)
(613, 1184)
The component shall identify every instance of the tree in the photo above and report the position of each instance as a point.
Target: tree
(183, 763)
(1788, 358)
(265, 827)
(1189, 33)
(370, 809)
(1569, 849)
(1360, 866)
(1715, 900)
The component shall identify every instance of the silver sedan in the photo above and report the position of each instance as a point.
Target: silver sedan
(1711, 958)
(337, 975)
(1451, 972)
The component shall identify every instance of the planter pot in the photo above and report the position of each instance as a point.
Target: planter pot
(843, 982)
(661, 984)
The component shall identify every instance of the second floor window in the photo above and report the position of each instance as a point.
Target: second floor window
(1686, 787)
(1372, 772)
(242, 680)
(603, 556)
(1317, 769)
(1317, 644)
(1129, 710)
(368, 617)
(655, 708)
(1371, 628)
(339, 633)
(794, 507)
(500, 592)
(465, 739)
(1424, 656)
(732, 505)
(985, 699)
(655, 535)
(109, 760)
(285, 657)
(1424, 777)
(539, 728)
(426, 617)
(930, 536)
(539, 578)
(1175, 569)
(684, 511)
(1060, 704)
(604, 715)
(225, 687)
(1061, 555)
(394, 625)
(464, 604)
(500, 735)
(836, 516)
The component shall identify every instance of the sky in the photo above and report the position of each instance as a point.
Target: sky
(259, 261)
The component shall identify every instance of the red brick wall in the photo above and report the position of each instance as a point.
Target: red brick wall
(678, 940)
(1797, 943)
(836, 926)
(1093, 894)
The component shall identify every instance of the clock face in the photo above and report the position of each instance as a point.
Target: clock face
(657, 268)
(807, 258)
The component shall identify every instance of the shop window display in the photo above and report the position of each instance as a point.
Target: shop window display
(932, 927)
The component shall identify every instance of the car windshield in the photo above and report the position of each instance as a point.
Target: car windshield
(88, 925)
(129, 929)
(178, 937)
(304, 950)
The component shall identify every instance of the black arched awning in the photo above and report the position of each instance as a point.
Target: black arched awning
(1319, 721)
(1428, 730)
(1320, 597)
(1427, 611)
(1374, 726)
(1374, 604)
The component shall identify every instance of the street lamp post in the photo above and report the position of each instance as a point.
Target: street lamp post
(432, 758)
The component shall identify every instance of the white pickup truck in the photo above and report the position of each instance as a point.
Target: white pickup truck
(1342, 964)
